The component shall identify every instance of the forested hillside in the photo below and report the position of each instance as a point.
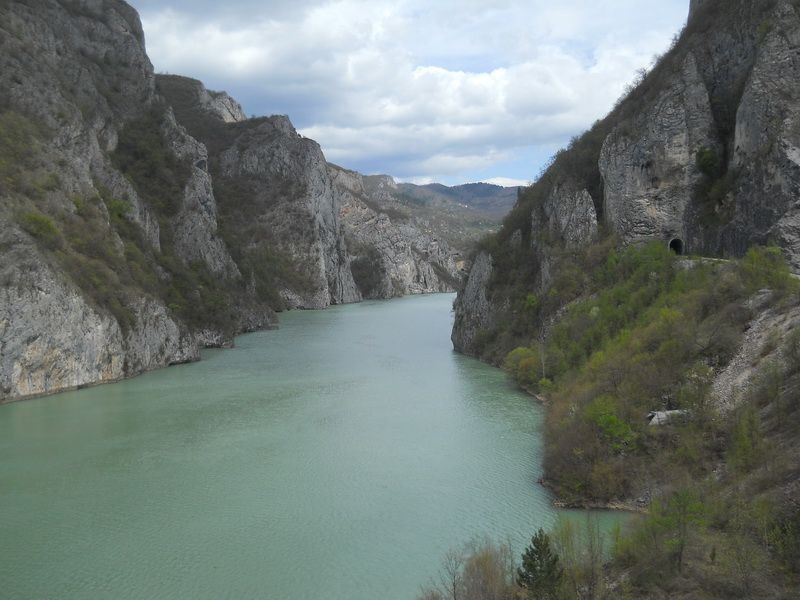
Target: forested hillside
(643, 289)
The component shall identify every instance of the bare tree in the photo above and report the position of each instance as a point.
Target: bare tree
(482, 570)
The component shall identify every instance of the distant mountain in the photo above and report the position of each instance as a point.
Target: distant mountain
(492, 200)
(460, 214)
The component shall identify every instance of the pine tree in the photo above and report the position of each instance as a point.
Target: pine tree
(541, 573)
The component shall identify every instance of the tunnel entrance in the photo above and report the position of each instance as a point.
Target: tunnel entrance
(676, 245)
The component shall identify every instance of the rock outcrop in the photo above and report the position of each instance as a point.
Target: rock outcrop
(314, 214)
(71, 74)
(195, 226)
(704, 155)
(300, 209)
(694, 5)
(222, 105)
(567, 215)
(52, 338)
(473, 313)
(648, 166)
(766, 157)
(100, 283)
(736, 381)
(391, 258)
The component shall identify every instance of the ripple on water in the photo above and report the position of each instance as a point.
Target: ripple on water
(338, 457)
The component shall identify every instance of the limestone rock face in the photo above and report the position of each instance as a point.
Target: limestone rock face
(300, 208)
(566, 218)
(568, 214)
(51, 339)
(157, 340)
(649, 167)
(77, 73)
(218, 105)
(222, 105)
(767, 145)
(732, 384)
(694, 6)
(405, 259)
(195, 226)
(473, 312)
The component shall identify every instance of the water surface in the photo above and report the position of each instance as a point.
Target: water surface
(336, 458)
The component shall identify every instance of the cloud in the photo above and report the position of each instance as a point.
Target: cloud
(507, 182)
(419, 89)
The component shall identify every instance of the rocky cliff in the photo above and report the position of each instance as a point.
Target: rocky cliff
(143, 217)
(393, 257)
(312, 214)
(703, 155)
(298, 211)
(71, 74)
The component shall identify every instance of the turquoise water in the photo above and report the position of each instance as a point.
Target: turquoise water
(336, 458)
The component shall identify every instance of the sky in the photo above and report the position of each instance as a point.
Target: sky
(451, 91)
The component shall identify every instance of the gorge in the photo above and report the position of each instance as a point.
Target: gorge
(643, 294)
(144, 217)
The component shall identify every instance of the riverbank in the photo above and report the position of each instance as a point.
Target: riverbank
(637, 506)
(208, 342)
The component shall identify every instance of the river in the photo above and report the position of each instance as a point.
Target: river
(337, 458)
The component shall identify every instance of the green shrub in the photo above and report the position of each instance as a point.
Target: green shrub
(118, 209)
(525, 364)
(792, 352)
(708, 162)
(145, 157)
(602, 414)
(51, 182)
(42, 228)
(784, 537)
(745, 445)
(19, 144)
(765, 267)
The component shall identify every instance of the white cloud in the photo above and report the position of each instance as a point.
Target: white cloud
(507, 182)
(424, 89)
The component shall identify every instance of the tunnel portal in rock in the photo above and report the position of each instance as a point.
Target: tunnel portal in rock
(676, 245)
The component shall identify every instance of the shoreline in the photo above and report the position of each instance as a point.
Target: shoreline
(223, 346)
(628, 506)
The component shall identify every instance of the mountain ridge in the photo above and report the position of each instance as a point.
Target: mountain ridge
(144, 217)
